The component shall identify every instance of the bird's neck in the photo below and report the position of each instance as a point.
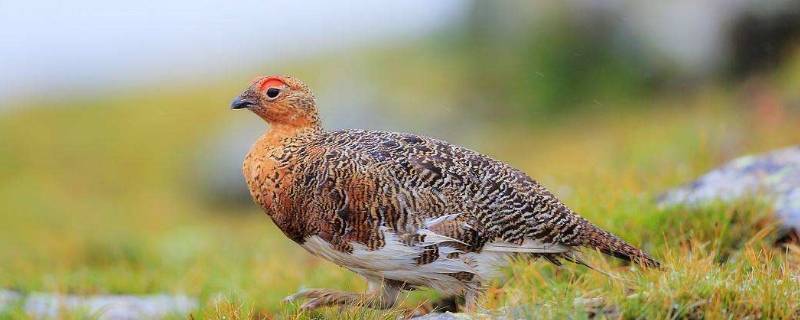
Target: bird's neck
(278, 133)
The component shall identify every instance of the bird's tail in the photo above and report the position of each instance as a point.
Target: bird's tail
(609, 244)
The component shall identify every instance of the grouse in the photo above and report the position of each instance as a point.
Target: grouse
(401, 210)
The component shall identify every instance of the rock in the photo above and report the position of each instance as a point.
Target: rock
(8, 299)
(108, 307)
(444, 316)
(775, 176)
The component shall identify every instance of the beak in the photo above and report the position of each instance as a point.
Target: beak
(241, 103)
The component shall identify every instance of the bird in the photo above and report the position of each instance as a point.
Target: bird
(401, 210)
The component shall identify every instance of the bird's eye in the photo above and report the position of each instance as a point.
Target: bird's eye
(272, 93)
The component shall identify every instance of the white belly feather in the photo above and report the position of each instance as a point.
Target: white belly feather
(397, 261)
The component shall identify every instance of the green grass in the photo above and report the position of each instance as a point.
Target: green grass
(96, 197)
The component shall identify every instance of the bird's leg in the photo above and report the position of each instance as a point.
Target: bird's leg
(317, 298)
(471, 299)
(379, 295)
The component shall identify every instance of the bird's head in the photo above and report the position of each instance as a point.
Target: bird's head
(280, 100)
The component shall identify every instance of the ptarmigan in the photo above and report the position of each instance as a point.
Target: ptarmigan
(401, 210)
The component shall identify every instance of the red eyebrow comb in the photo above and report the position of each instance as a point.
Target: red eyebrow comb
(271, 82)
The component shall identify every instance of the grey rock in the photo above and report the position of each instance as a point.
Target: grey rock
(8, 299)
(444, 316)
(773, 176)
(107, 307)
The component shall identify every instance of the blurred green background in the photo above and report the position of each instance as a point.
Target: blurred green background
(120, 159)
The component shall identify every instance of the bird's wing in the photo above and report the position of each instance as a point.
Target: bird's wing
(481, 202)
(412, 184)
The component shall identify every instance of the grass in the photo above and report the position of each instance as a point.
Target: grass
(719, 263)
(96, 197)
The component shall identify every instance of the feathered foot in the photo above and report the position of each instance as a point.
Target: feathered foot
(471, 300)
(378, 296)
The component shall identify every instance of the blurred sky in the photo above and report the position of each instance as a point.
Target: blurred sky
(76, 47)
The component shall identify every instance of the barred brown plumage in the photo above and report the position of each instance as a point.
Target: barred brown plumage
(403, 211)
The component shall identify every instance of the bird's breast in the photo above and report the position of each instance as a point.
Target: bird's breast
(262, 179)
(271, 184)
